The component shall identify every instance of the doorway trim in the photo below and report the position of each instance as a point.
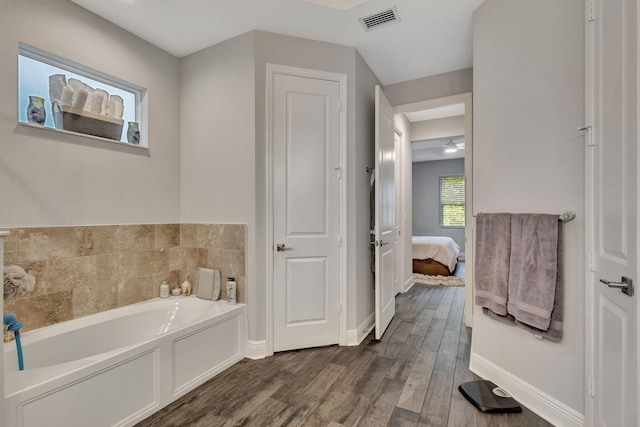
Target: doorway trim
(341, 79)
(469, 231)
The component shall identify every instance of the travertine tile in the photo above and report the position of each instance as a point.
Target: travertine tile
(95, 299)
(230, 263)
(67, 274)
(189, 258)
(36, 244)
(151, 262)
(116, 266)
(203, 258)
(167, 235)
(241, 289)
(175, 258)
(106, 239)
(10, 246)
(43, 310)
(189, 235)
(136, 289)
(226, 236)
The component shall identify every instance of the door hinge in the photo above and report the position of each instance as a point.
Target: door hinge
(339, 170)
(590, 262)
(339, 105)
(591, 13)
(589, 136)
(339, 308)
(590, 387)
(339, 241)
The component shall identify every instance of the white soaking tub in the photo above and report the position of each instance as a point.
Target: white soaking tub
(117, 367)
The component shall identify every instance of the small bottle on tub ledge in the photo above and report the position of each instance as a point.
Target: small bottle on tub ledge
(231, 291)
(176, 291)
(164, 290)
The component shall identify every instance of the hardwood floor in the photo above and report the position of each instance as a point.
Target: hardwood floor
(408, 378)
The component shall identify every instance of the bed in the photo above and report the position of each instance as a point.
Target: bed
(434, 255)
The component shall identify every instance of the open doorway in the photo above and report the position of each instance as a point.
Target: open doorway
(436, 192)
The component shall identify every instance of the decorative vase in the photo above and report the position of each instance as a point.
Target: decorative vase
(133, 133)
(36, 113)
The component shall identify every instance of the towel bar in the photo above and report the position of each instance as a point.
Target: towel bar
(565, 217)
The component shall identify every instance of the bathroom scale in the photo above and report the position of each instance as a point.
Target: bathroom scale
(489, 398)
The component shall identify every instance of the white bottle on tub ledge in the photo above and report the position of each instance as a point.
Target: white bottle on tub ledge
(231, 291)
(164, 290)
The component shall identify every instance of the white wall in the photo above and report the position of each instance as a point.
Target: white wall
(431, 87)
(48, 178)
(223, 97)
(218, 173)
(437, 128)
(426, 198)
(527, 157)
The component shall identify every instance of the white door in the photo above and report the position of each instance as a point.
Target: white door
(385, 230)
(397, 260)
(306, 212)
(612, 198)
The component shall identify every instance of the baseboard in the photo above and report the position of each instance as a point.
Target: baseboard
(408, 284)
(356, 336)
(547, 407)
(256, 349)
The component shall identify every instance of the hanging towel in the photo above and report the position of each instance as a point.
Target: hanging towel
(493, 247)
(533, 268)
(554, 331)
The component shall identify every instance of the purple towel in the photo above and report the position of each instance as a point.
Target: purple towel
(493, 247)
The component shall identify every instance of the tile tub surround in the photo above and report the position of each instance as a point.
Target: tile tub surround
(81, 270)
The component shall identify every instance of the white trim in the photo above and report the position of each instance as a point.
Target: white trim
(546, 406)
(256, 349)
(341, 79)
(408, 284)
(356, 336)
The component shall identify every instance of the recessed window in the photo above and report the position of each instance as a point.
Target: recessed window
(59, 94)
(452, 201)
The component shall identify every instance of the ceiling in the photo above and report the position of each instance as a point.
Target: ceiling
(433, 149)
(431, 37)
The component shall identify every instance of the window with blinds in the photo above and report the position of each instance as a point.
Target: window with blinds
(452, 200)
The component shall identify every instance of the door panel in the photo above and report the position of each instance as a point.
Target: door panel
(612, 191)
(306, 209)
(385, 223)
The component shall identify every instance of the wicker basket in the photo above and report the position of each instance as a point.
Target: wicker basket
(80, 121)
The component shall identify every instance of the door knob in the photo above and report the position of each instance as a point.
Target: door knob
(281, 247)
(625, 285)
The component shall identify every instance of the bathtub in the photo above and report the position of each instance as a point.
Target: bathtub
(117, 367)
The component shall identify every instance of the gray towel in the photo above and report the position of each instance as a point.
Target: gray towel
(493, 247)
(554, 332)
(533, 268)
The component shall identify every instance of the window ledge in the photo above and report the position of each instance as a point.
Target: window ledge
(83, 135)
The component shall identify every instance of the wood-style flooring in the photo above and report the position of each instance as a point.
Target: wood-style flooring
(408, 378)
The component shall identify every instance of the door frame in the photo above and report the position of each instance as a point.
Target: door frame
(469, 231)
(341, 79)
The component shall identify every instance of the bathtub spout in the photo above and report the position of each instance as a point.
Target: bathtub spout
(14, 326)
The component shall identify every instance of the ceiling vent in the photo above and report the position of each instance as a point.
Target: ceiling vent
(380, 19)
